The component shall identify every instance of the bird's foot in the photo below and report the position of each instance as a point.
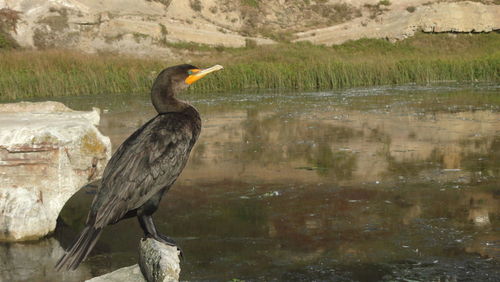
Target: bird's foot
(167, 241)
(163, 239)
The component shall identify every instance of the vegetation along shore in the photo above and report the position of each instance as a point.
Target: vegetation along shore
(422, 59)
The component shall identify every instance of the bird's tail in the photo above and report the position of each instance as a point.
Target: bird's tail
(80, 248)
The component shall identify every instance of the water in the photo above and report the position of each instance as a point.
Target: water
(391, 184)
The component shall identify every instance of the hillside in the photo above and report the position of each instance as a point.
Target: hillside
(160, 28)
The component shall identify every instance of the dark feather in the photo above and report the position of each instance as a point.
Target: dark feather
(80, 248)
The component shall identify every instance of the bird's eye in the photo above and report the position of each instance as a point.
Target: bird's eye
(190, 72)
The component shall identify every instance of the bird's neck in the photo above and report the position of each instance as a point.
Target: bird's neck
(164, 101)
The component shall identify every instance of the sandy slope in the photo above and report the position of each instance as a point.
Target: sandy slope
(148, 28)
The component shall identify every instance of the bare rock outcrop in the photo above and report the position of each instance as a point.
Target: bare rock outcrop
(139, 27)
(47, 152)
(153, 27)
(400, 23)
(157, 263)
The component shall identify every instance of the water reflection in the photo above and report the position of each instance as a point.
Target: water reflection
(362, 147)
(400, 184)
(35, 262)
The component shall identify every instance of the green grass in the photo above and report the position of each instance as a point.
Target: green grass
(250, 3)
(6, 41)
(336, 74)
(59, 73)
(300, 66)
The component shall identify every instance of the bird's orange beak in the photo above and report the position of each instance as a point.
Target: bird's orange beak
(196, 74)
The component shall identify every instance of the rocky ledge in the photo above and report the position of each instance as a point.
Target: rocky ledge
(47, 152)
(157, 263)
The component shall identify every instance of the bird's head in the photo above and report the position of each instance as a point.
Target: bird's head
(174, 79)
(181, 76)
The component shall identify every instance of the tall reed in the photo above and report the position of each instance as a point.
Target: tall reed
(301, 66)
(337, 74)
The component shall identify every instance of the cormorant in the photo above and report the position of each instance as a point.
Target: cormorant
(145, 165)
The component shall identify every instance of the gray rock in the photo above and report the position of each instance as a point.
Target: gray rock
(124, 274)
(47, 152)
(159, 262)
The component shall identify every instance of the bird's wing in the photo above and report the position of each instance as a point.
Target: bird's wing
(149, 160)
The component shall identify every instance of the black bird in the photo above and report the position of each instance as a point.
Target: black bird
(145, 165)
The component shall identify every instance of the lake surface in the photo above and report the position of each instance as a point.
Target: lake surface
(370, 184)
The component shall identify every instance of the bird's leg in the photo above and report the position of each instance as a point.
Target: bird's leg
(149, 228)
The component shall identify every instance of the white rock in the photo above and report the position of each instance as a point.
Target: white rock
(23, 214)
(129, 274)
(47, 152)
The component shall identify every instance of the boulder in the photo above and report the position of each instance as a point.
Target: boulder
(157, 263)
(47, 152)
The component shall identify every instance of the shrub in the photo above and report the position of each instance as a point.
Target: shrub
(8, 19)
(250, 43)
(411, 9)
(196, 5)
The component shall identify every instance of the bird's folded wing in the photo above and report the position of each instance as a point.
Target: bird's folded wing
(149, 160)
